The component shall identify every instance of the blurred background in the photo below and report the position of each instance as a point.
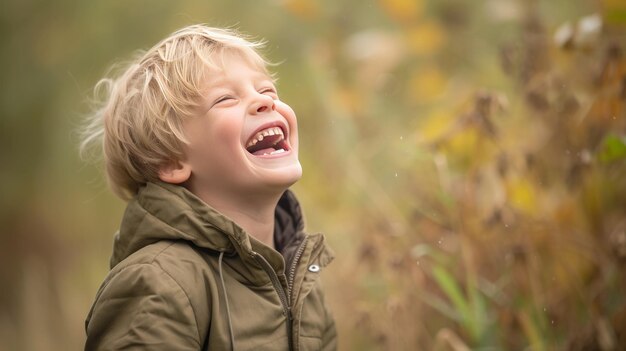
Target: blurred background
(466, 160)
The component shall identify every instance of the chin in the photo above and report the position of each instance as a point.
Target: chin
(276, 181)
(285, 176)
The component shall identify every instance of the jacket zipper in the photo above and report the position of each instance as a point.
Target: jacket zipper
(284, 298)
(294, 264)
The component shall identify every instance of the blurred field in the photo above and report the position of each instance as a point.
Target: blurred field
(466, 160)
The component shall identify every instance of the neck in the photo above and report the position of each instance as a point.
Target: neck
(254, 214)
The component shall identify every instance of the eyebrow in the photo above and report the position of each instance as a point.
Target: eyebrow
(215, 82)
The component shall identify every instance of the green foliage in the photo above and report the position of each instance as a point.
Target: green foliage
(471, 310)
(613, 149)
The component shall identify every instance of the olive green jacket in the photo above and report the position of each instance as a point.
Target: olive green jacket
(185, 277)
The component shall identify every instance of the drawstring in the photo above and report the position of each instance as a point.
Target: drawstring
(230, 325)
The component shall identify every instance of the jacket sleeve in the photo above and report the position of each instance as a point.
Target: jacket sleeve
(142, 307)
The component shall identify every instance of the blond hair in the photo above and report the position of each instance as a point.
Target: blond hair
(138, 120)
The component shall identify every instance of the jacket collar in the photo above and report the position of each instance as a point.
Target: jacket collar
(162, 211)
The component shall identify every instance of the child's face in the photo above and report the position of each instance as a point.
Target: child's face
(244, 140)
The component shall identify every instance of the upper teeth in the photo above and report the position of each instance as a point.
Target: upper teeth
(265, 132)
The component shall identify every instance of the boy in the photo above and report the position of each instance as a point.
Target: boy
(211, 253)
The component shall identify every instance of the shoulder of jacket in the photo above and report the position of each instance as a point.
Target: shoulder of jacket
(185, 265)
(177, 258)
(158, 253)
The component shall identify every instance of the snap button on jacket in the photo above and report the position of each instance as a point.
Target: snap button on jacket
(185, 277)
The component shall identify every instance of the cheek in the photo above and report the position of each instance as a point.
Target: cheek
(202, 142)
(220, 133)
(287, 112)
(226, 136)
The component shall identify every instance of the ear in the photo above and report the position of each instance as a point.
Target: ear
(175, 172)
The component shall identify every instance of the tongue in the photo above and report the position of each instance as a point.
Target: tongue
(264, 151)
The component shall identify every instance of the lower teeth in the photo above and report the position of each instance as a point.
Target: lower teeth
(276, 152)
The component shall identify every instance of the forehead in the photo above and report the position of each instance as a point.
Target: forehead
(231, 62)
(232, 74)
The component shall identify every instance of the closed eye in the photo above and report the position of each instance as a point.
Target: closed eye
(269, 91)
(222, 99)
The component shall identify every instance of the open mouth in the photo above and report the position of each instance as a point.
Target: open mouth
(268, 141)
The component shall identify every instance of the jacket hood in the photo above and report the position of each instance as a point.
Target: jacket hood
(162, 211)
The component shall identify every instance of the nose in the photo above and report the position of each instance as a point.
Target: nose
(262, 103)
